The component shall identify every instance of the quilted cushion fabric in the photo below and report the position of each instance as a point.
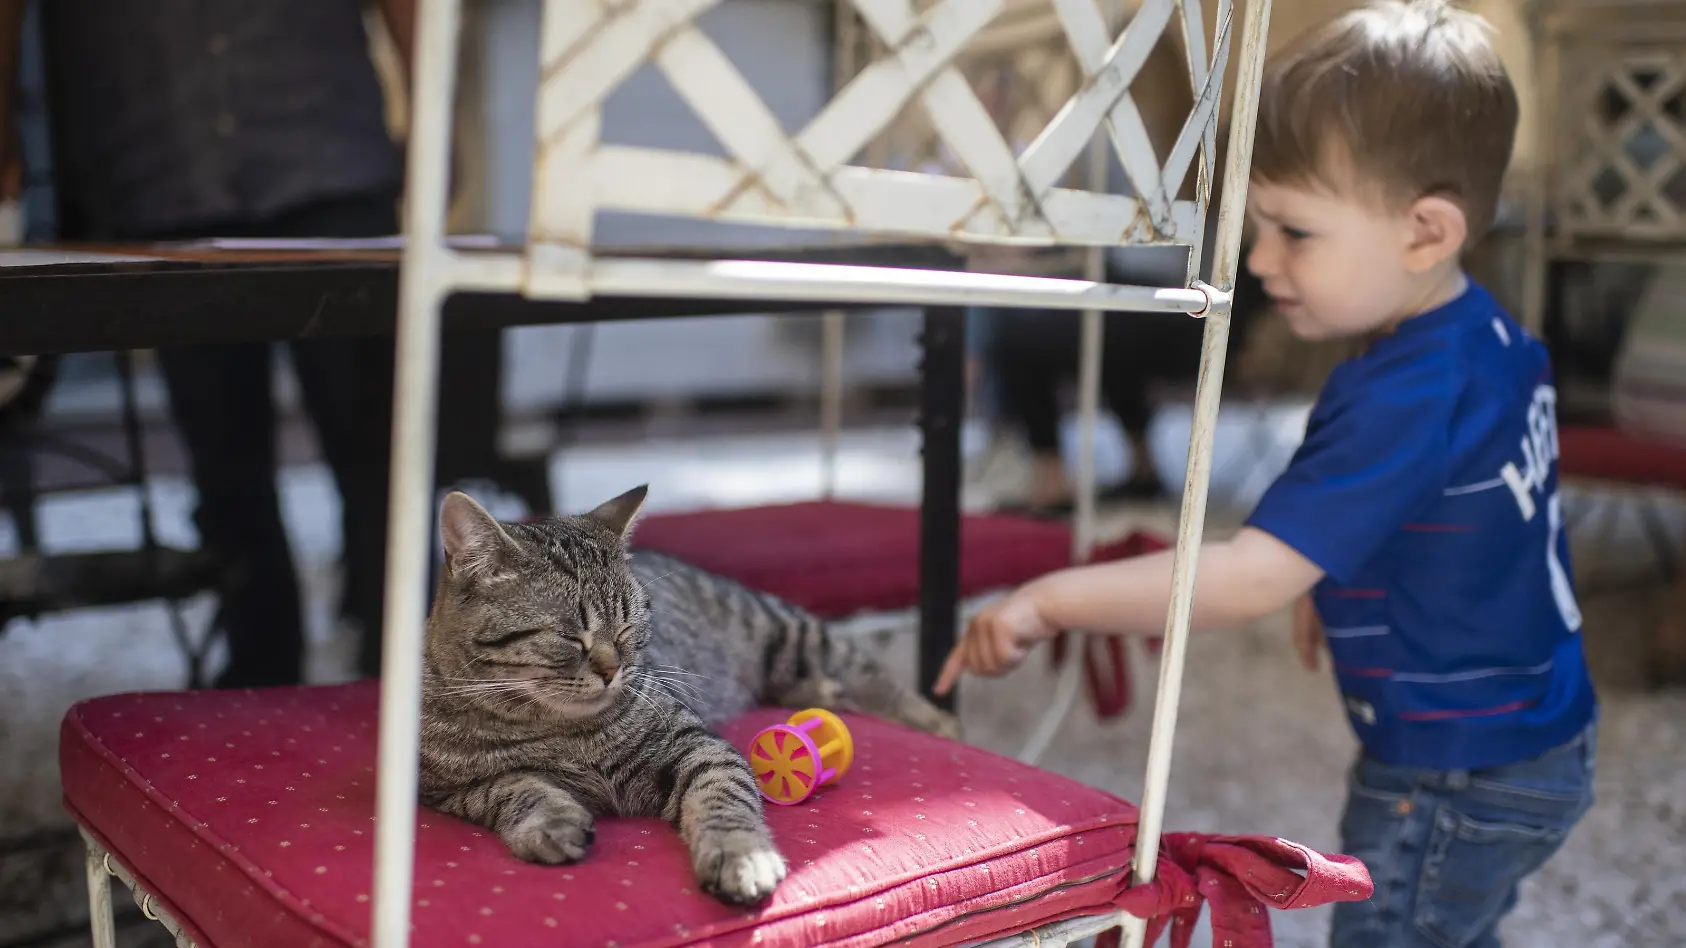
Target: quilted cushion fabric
(251, 815)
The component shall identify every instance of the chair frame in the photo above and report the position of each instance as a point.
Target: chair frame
(587, 48)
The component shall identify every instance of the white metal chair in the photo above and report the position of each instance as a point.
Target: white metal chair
(804, 180)
(586, 48)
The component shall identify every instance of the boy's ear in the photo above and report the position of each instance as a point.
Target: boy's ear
(1438, 229)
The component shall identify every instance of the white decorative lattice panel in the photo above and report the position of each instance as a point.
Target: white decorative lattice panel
(1623, 143)
(1020, 66)
(982, 188)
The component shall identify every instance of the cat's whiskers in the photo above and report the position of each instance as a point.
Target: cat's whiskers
(639, 695)
(666, 690)
(511, 695)
(671, 572)
(478, 682)
(675, 685)
(671, 615)
(661, 673)
(676, 670)
(503, 701)
(647, 681)
(486, 688)
(534, 697)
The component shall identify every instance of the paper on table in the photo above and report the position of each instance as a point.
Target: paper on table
(390, 242)
(42, 257)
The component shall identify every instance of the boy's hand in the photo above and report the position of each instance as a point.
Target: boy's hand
(1308, 632)
(996, 640)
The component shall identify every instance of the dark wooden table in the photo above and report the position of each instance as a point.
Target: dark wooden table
(96, 298)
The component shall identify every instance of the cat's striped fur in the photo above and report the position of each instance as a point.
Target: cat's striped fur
(565, 679)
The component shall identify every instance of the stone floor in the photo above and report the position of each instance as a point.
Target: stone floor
(1261, 744)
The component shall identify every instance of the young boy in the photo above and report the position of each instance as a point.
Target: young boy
(1421, 510)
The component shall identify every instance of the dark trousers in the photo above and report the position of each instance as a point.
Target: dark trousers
(1033, 351)
(220, 397)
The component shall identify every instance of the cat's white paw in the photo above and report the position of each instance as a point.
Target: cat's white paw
(740, 867)
(553, 834)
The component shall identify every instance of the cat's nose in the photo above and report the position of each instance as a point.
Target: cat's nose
(605, 669)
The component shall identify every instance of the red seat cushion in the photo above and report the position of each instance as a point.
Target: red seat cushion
(837, 559)
(1614, 455)
(250, 816)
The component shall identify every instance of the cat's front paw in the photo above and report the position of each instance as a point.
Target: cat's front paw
(740, 867)
(925, 716)
(947, 725)
(552, 834)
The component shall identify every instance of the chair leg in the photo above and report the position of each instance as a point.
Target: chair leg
(1610, 511)
(100, 920)
(1656, 532)
(1665, 658)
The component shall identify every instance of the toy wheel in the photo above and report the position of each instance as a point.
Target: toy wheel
(831, 730)
(786, 764)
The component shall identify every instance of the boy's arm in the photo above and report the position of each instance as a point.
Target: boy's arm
(1375, 453)
(1237, 581)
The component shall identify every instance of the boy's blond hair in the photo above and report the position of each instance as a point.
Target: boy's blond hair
(1405, 99)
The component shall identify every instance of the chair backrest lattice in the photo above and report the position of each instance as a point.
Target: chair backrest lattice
(1618, 141)
(974, 176)
(1020, 65)
(1625, 174)
(1024, 71)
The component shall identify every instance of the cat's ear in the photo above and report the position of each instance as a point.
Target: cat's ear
(618, 514)
(474, 541)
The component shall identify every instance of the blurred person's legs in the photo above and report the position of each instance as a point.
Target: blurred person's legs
(347, 390)
(1028, 361)
(346, 386)
(1036, 351)
(1127, 375)
(981, 384)
(220, 397)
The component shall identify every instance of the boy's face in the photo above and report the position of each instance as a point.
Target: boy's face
(1333, 266)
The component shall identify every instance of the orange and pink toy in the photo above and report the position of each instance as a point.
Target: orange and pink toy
(793, 759)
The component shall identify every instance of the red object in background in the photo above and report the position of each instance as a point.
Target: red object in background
(249, 815)
(838, 559)
(1608, 453)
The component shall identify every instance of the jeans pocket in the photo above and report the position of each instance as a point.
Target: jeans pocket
(1470, 872)
(1551, 789)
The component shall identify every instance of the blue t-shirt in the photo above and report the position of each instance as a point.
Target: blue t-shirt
(1426, 490)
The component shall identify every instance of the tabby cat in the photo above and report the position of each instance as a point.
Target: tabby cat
(565, 679)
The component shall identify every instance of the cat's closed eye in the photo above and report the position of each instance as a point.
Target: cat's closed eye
(505, 639)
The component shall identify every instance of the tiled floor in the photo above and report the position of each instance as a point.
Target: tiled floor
(1261, 744)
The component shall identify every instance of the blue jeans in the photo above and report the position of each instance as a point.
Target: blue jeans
(1447, 849)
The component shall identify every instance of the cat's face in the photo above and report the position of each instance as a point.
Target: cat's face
(542, 619)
